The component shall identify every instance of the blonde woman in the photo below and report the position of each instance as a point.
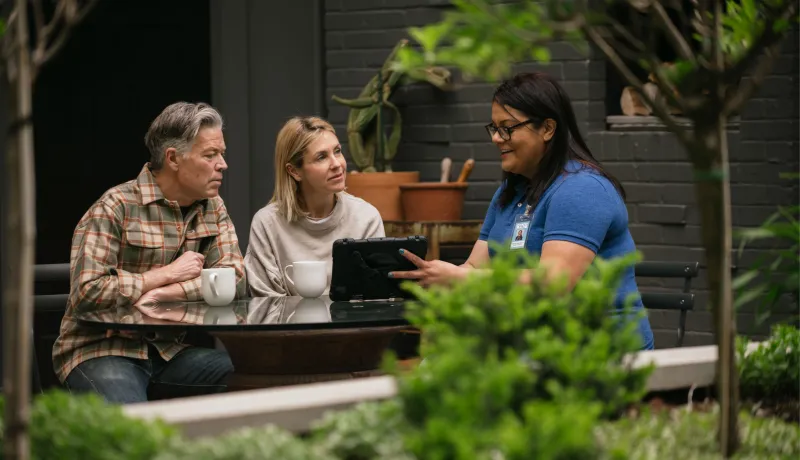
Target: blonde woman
(309, 209)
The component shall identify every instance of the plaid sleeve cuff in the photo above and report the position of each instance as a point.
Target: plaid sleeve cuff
(130, 285)
(192, 289)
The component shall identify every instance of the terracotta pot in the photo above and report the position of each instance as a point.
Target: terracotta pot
(427, 201)
(382, 190)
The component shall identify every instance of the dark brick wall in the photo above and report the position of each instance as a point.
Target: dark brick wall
(651, 164)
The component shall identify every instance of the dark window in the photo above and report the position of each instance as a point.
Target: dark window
(644, 28)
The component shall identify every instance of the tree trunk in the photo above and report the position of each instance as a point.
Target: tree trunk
(18, 292)
(713, 196)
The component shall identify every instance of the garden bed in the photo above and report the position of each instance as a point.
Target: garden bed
(536, 372)
(703, 400)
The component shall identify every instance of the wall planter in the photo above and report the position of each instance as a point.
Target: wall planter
(382, 190)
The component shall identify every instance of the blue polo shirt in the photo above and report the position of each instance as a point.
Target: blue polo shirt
(581, 207)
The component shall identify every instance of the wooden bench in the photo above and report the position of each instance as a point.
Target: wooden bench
(51, 290)
(682, 301)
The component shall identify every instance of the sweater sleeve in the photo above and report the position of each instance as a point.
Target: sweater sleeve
(264, 275)
(375, 227)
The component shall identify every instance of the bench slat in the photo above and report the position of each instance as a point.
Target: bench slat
(51, 272)
(667, 300)
(667, 269)
(50, 302)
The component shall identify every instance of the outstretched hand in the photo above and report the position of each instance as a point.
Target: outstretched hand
(429, 272)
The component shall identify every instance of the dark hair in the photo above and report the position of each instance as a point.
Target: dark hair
(540, 97)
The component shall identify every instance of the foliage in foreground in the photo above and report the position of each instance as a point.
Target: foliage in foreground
(368, 430)
(519, 371)
(771, 372)
(268, 442)
(688, 435)
(553, 339)
(84, 427)
(373, 431)
(777, 273)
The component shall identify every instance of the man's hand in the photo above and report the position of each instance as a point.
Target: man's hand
(430, 272)
(186, 267)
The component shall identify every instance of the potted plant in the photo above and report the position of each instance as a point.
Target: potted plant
(436, 201)
(370, 148)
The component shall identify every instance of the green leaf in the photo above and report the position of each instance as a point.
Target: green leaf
(743, 280)
(541, 54)
(780, 26)
(748, 296)
(430, 36)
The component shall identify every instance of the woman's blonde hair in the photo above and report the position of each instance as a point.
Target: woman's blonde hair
(293, 139)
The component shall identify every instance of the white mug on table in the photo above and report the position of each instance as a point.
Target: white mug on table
(218, 286)
(309, 277)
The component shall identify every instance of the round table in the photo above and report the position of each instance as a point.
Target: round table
(275, 341)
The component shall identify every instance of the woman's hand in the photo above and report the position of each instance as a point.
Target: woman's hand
(430, 272)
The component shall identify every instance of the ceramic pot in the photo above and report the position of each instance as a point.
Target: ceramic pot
(433, 201)
(382, 190)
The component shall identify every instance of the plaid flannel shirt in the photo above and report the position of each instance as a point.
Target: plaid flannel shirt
(131, 229)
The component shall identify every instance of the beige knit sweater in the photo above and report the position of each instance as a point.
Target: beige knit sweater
(275, 242)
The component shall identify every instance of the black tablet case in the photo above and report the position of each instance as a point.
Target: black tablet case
(361, 267)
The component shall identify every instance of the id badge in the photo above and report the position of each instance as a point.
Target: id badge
(520, 234)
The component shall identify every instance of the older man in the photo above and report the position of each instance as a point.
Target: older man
(143, 242)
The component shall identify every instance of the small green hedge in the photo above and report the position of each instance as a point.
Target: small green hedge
(685, 435)
(84, 427)
(771, 372)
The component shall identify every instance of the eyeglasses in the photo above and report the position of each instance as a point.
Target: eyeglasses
(505, 131)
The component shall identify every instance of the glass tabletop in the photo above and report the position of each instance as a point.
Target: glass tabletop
(258, 313)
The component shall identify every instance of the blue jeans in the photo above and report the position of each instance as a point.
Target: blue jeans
(194, 371)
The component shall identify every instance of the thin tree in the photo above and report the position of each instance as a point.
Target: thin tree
(720, 66)
(22, 57)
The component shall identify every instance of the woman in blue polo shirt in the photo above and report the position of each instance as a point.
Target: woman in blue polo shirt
(556, 199)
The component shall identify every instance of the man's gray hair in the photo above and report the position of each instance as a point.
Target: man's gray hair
(177, 126)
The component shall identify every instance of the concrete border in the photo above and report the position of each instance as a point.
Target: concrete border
(296, 407)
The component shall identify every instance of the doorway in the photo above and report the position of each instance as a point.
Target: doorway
(94, 102)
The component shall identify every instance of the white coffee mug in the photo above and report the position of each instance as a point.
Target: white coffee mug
(309, 277)
(219, 286)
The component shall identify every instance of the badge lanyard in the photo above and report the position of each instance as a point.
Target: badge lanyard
(522, 224)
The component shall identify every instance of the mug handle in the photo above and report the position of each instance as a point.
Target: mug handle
(212, 282)
(286, 272)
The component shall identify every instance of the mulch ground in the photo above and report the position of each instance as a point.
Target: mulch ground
(702, 400)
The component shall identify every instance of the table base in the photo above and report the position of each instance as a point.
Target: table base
(264, 359)
(239, 382)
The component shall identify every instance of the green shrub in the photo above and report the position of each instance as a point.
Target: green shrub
(518, 371)
(771, 372)
(566, 339)
(261, 443)
(65, 426)
(776, 273)
(459, 407)
(367, 431)
(686, 435)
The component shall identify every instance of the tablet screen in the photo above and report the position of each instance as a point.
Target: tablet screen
(361, 267)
